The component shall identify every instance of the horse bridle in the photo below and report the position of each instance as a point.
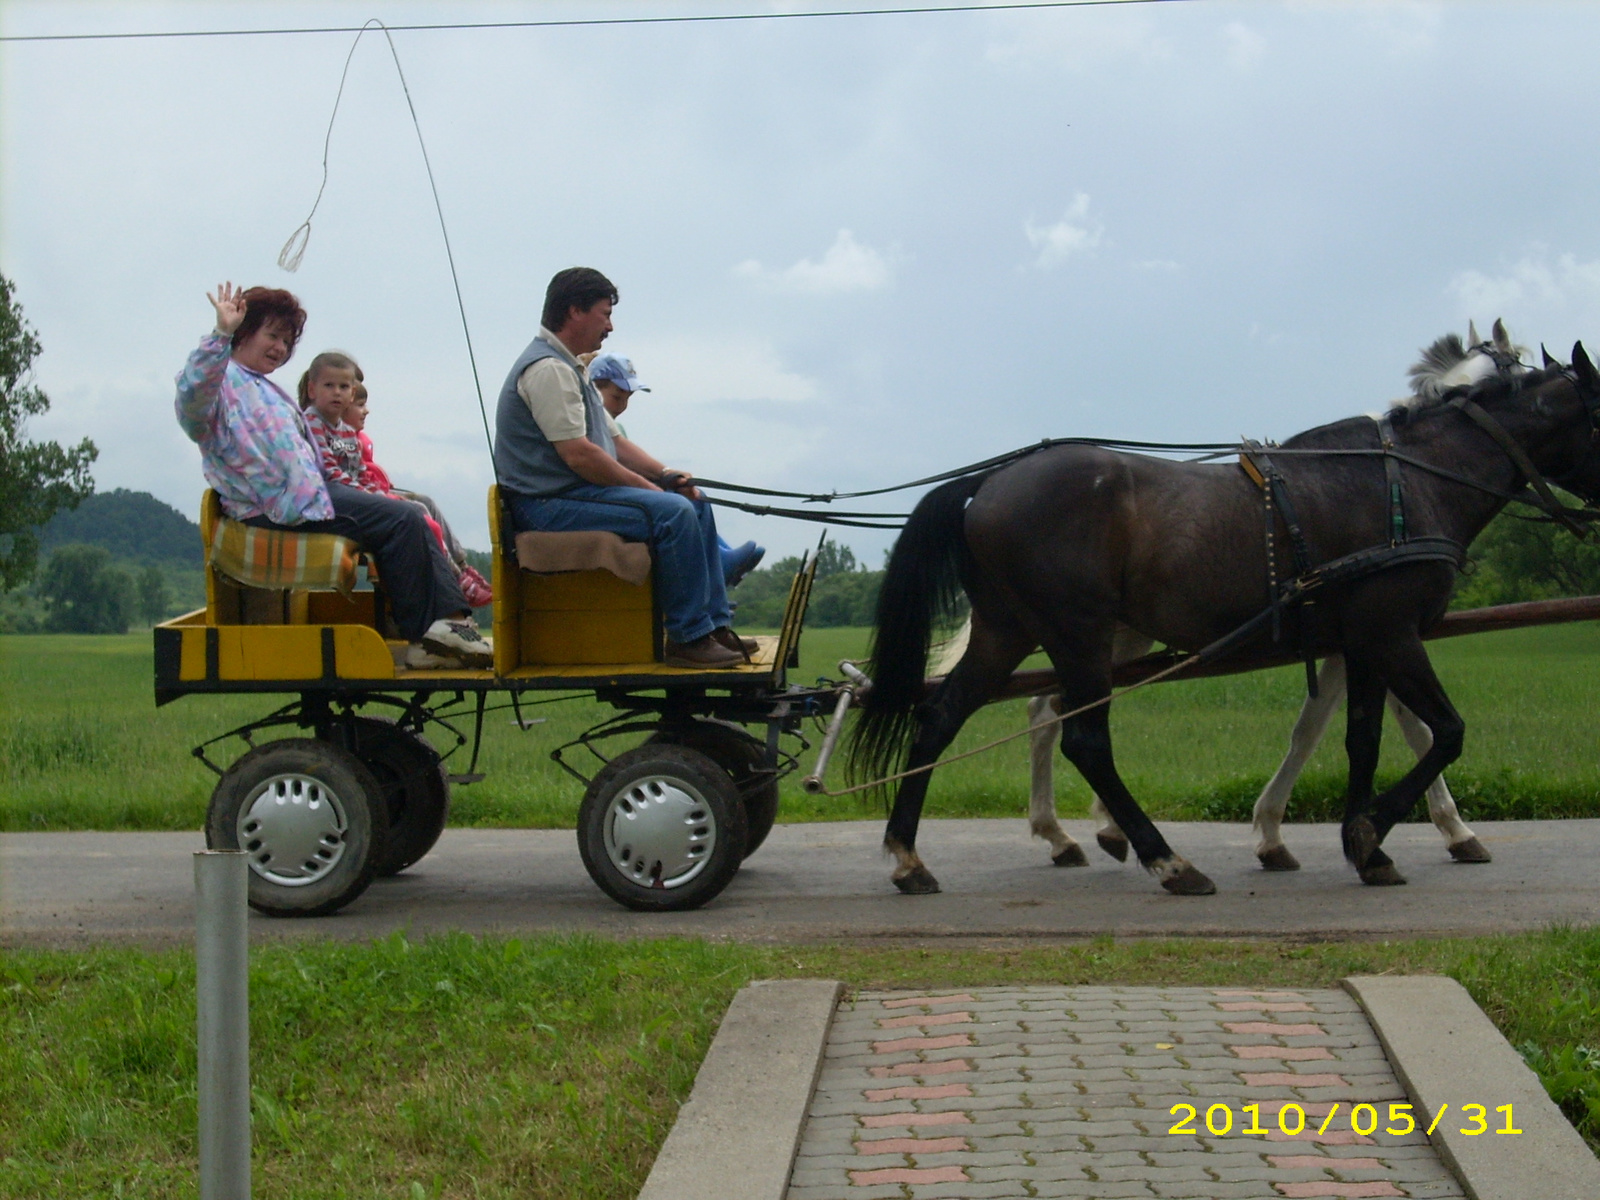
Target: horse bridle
(1573, 520)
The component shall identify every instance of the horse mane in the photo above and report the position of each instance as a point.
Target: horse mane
(1492, 389)
(1431, 374)
(1438, 360)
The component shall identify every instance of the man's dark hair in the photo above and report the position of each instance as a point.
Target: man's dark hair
(576, 287)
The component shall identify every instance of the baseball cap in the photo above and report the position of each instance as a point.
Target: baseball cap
(618, 370)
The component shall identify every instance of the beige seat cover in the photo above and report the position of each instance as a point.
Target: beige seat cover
(552, 553)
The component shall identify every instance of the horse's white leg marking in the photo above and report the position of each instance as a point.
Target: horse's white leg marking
(1312, 723)
(1042, 790)
(1441, 804)
(1108, 828)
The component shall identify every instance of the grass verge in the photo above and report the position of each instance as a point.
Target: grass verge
(553, 1066)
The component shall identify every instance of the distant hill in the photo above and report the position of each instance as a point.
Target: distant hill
(134, 526)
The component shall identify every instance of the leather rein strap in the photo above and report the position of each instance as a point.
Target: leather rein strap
(1553, 507)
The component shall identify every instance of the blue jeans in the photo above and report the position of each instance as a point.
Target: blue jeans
(682, 532)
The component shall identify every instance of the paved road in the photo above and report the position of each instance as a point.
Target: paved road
(828, 882)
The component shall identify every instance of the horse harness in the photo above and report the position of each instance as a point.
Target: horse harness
(1400, 548)
(1298, 591)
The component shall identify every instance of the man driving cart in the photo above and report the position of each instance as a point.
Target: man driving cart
(564, 466)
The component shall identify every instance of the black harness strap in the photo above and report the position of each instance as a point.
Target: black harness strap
(1340, 570)
(1523, 463)
(1374, 558)
(1391, 470)
(1275, 493)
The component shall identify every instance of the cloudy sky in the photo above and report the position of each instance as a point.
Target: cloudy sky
(851, 250)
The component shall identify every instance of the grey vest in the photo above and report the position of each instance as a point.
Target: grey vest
(525, 460)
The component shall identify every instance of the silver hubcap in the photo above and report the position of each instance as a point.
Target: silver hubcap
(293, 828)
(659, 832)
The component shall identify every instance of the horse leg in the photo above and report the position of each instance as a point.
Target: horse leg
(1042, 822)
(1312, 723)
(1462, 843)
(1086, 743)
(1111, 838)
(987, 665)
(1415, 685)
(1126, 645)
(1362, 741)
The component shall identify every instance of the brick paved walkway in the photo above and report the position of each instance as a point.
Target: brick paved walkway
(1042, 1091)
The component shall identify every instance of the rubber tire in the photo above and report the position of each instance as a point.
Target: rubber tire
(709, 780)
(414, 785)
(367, 824)
(742, 757)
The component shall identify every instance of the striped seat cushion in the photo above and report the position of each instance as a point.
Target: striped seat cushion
(277, 558)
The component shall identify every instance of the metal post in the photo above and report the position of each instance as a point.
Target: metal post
(222, 993)
(859, 684)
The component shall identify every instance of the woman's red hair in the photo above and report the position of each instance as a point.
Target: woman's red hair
(265, 304)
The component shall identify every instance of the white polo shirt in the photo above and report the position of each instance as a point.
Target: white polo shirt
(551, 390)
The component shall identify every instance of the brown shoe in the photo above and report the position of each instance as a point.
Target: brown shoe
(727, 637)
(706, 653)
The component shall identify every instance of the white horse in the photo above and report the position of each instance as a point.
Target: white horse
(1445, 364)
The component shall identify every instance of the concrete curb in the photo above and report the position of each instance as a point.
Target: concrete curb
(1445, 1051)
(736, 1136)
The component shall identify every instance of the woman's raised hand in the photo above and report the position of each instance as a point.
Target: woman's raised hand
(230, 306)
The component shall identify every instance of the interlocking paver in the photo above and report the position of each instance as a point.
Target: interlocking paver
(1069, 1092)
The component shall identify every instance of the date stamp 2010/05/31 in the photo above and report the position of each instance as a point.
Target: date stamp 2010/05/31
(1362, 1119)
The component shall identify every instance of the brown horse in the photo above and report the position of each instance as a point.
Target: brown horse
(1060, 547)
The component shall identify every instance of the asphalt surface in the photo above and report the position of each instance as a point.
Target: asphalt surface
(830, 882)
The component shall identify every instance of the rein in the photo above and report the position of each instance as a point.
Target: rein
(1400, 549)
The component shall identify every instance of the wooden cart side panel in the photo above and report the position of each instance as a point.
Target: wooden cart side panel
(505, 577)
(281, 653)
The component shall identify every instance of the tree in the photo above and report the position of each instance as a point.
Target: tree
(86, 594)
(1518, 559)
(153, 595)
(36, 478)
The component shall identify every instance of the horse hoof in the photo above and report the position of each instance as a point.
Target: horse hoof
(1188, 882)
(1381, 875)
(1114, 846)
(1470, 851)
(1072, 856)
(918, 881)
(1360, 842)
(1278, 859)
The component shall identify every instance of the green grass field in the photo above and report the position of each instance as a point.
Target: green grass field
(551, 1068)
(82, 745)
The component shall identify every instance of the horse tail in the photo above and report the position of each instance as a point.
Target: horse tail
(921, 588)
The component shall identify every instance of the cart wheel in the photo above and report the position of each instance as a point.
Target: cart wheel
(661, 828)
(311, 818)
(742, 757)
(414, 786)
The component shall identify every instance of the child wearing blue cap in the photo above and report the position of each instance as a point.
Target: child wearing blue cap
(616, 380)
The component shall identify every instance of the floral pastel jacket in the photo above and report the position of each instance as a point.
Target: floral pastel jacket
(255, 449)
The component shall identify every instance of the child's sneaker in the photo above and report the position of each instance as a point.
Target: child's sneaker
(475, 588)
(459, 639)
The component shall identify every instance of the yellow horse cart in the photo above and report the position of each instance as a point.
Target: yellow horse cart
(359, 790)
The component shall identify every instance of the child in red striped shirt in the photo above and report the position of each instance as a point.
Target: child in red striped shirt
(334, 398)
